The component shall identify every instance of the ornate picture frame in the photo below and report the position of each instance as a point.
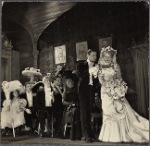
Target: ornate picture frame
(81, 50)
(60, 54)
(105, 42)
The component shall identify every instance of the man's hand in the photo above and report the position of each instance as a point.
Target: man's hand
(34, 94)
(64, 88)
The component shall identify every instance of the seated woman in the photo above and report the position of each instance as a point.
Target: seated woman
(71, 112)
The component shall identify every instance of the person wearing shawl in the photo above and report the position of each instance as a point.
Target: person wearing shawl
(44, 100)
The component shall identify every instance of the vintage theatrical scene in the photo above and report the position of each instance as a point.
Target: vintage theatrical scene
(75, 73)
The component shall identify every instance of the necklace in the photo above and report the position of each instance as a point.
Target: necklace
(106, 66)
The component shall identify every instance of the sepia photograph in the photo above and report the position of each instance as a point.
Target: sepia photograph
(81, 50)
(60, 54)
(75, 73)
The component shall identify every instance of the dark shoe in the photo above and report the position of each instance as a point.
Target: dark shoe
(88, 140)
(78, 138)
(41, 135)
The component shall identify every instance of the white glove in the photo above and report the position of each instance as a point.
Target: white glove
(28, 111)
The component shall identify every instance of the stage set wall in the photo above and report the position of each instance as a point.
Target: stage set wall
(90, 21)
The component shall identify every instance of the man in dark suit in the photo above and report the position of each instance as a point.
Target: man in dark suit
(31, 119)
(87, 88)
(44, 101)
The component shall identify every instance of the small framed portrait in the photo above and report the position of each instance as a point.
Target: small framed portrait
(105, 42)
(60, 54)
(81, 50)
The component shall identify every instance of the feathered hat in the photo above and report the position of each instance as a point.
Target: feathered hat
(12, 86)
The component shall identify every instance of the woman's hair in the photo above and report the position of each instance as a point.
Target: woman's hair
(109, 50)
(11, 94)
(90, 51)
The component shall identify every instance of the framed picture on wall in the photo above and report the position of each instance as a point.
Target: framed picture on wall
(60, 54)
(81, 50)
(105, 42)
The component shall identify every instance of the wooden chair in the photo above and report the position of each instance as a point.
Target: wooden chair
(68, 125)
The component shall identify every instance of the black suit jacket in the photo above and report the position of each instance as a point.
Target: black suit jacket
(83, 70)
(40, 100)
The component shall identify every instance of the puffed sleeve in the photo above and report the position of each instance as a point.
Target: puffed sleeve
(118, 71)
(23, 103)
(6, 105)
(100, 75)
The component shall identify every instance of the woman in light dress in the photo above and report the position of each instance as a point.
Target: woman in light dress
(120, 122)
(12, 114)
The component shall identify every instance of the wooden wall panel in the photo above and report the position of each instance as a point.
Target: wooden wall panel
(15, 65)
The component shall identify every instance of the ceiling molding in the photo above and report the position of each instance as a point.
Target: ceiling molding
(36, 17)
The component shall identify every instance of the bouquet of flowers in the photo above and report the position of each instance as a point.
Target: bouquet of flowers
(116, 88)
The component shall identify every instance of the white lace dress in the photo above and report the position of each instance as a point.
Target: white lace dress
(120, 122)
(5, 115)
(12, 114)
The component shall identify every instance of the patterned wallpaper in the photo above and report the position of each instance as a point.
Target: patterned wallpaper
(126, 63)
(46, 60)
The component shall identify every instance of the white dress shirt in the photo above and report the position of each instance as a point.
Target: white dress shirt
(93, 70)
(48, 97)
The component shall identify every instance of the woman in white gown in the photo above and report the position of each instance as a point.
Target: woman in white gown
(120, 122)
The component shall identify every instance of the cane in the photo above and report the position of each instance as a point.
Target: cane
(13, 127)
(52, 122)
(12, 123)
(13, 130)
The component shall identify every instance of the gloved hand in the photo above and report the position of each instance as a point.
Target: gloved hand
(28, 111)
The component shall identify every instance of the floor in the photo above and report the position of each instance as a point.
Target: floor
(28, 139)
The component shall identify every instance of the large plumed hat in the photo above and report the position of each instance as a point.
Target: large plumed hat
(13, 85)
(29, 71)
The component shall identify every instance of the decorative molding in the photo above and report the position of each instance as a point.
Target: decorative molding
(46, 60)
(6, 53)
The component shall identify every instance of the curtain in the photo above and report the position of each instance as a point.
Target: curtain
(142, 86)
(3, 69)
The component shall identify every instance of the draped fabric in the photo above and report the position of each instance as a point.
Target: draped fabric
(142, 87)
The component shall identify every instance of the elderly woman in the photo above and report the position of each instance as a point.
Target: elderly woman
(43, 103)
(71, 112)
